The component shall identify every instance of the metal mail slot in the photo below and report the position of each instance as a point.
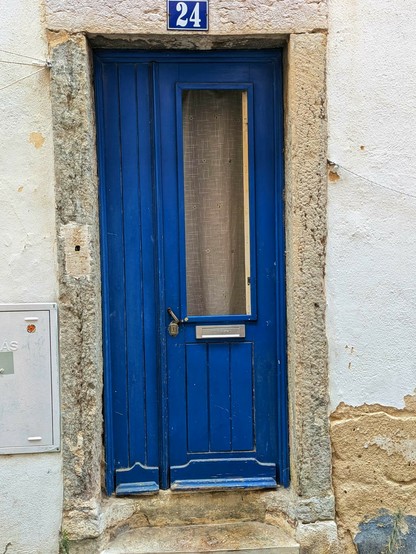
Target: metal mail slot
(220, 331)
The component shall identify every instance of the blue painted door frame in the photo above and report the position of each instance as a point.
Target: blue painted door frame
(182, 412)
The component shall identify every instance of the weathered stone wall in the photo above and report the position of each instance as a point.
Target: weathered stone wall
(305, 250)
(374, 475)
(79, 277)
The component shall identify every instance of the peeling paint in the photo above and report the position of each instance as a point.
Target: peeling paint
(37, 139)
(333, 174)
(404, 447)
(57, 37)
(374, 457)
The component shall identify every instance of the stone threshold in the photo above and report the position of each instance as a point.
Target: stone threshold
(252, 537)
(196, 508)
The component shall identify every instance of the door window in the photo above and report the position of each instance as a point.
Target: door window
(215, 150)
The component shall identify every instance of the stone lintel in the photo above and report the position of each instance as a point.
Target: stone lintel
(149, 17)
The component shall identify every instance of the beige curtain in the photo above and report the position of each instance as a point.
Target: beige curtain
(214, 202)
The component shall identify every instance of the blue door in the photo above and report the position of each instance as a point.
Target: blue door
(190, 161)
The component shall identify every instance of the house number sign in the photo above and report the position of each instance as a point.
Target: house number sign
(187, 15)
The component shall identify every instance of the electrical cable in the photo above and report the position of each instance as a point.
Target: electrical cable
(335, 164)
(21, 79)
(23, 56)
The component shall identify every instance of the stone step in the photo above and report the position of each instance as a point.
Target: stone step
(252, 537)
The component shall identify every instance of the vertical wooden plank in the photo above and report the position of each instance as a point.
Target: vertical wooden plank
(115, 268)
(282, 401)
(219, 397)
(108, 385)
(242, 396)
(267, 332)
(148, 241)
(173, 438)
(197, 397)
(133, 262)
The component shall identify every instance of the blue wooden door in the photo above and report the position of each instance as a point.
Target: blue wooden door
(190, 160)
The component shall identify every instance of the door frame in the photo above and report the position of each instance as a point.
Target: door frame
(273, 56)
(310, 496)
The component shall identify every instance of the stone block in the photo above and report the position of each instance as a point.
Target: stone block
(318, 538)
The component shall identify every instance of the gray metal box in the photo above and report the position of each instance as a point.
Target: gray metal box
(29, 380)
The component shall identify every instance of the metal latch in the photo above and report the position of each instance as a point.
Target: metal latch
(173, 328)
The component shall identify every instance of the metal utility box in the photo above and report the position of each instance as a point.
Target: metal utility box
(29, 380)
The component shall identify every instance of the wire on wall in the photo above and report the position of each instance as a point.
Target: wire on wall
(38, 60)
(334, 166)
(43, 64)
(34, 62)
(21, 79)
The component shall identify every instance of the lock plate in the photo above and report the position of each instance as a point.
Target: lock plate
(173, 329)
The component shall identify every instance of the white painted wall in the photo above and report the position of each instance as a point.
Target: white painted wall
(30, 485)
(371, 263)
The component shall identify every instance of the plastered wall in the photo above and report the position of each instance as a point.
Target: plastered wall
(30, 485)
(371, 263)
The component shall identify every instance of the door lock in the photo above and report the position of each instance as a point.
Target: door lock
(173, 328)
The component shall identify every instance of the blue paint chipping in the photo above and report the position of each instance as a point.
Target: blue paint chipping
(389, 533)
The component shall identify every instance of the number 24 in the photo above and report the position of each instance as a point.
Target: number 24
(194, 18)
